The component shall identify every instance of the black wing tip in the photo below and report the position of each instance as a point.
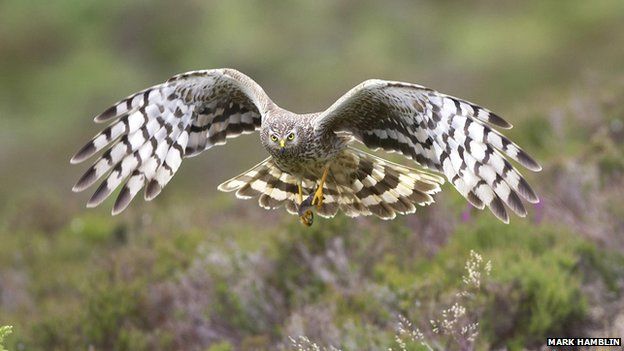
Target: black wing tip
(498, 209)
(122, 201)
(536, 167)
(99, 195)
(474, 200)
(527, 161)
(84, 153)
(109, 113)
(527, 191)
(88, 178)
(516, 205)
(152, 190)
(499, 121)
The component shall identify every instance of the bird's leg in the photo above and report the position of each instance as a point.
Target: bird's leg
(306, 217)
(318, 195)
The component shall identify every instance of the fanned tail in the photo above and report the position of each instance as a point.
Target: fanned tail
(359, 184)
(363, 184)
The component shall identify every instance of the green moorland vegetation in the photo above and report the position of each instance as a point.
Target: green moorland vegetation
(196, 269)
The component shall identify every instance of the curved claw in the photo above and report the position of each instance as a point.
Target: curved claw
(307, 218)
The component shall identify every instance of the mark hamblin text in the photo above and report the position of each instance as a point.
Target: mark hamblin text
(584, 342)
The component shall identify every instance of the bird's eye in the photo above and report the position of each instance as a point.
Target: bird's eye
(291, 136)
(273, 138)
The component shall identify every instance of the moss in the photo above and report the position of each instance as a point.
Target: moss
(5, 330)
(109, 311)
(360, 306)
(292, 276)
(256, 342)
(221, 346)
(175, 252)
(389, 271)
(55, 333)
(603, 264)
(535, 287)
(104, 282)
(96, 230)
(228, 304)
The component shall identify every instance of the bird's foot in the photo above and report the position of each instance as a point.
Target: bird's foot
(307, 218)
(305, 214)
(318, 198)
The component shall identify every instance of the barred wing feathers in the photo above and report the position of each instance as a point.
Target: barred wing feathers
(440, 132)
(152, 130)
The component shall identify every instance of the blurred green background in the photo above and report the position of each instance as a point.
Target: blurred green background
(198, 270)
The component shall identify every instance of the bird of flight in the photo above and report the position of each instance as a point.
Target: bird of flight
(312, 162)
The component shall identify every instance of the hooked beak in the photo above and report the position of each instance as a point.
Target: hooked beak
(282, 143)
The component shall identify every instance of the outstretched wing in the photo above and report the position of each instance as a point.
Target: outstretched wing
(439, 132)
(152, 130)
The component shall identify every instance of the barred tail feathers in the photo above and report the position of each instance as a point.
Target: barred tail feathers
(265, 181)
(359, 184)
(384, 189)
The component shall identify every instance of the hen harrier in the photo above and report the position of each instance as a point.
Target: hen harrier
(312, 162)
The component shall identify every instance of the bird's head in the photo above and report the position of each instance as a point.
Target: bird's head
(281, 137)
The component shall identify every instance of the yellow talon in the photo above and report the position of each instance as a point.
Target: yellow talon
(305, 215)
(318, 198)
(318, 195)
